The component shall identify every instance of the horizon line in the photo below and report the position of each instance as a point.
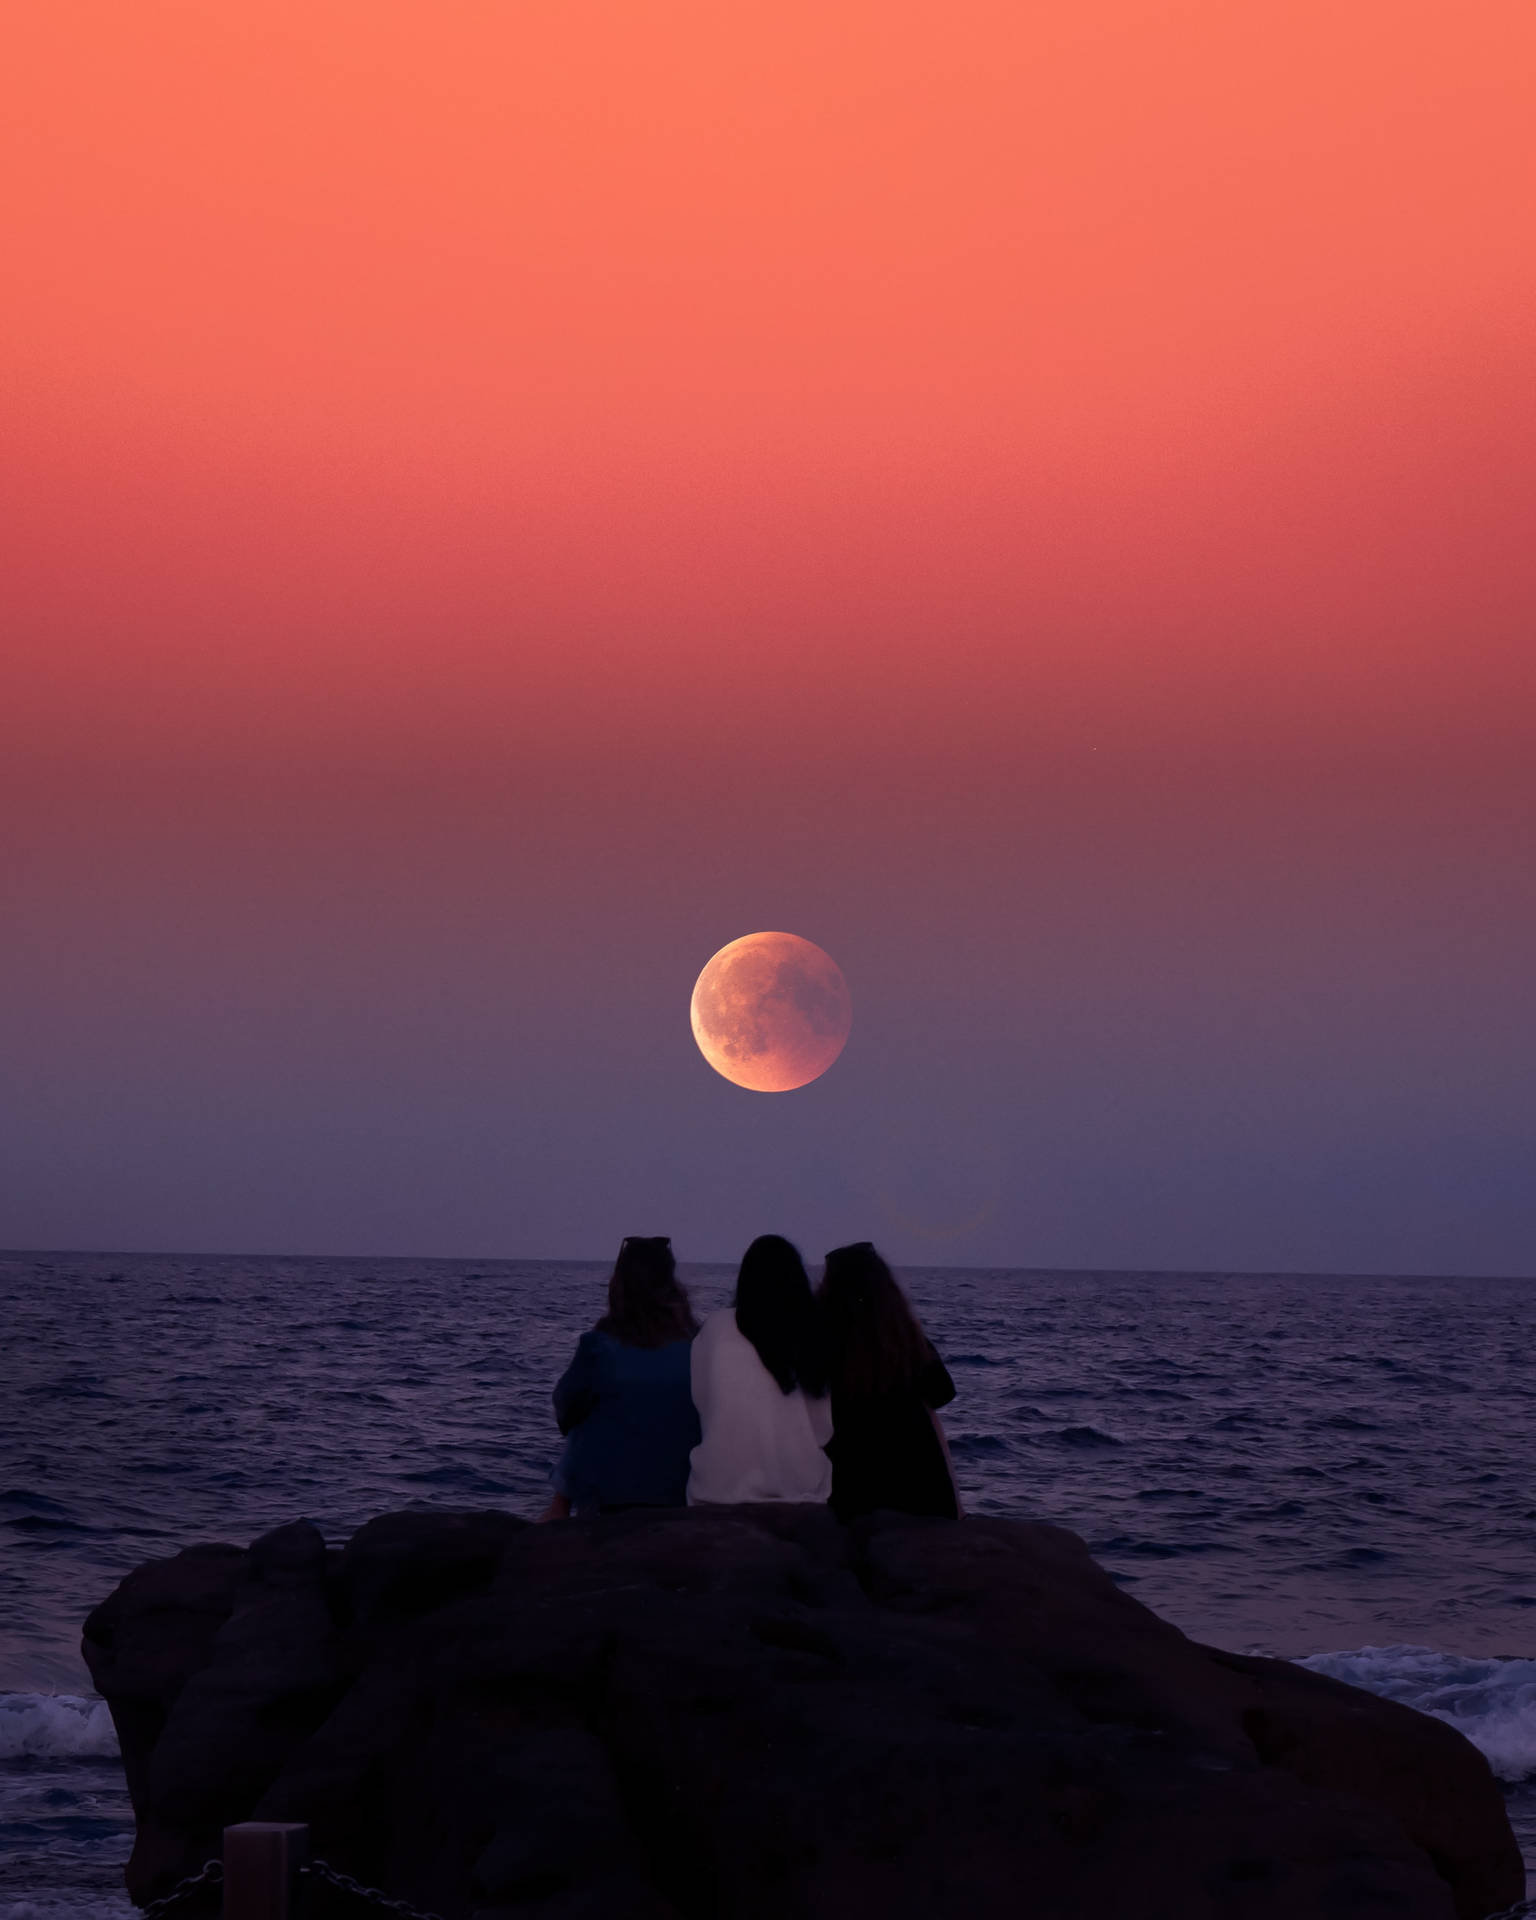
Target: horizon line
(600, 1260)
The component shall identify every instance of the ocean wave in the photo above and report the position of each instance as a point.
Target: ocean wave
(65, 1904)
(25, 1500)
(55, 1726)
(1133, 1544)
(1491, 1701)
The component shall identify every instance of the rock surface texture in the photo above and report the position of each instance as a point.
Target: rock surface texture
(755, 1711)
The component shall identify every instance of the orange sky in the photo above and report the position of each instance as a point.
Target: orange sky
(441, 345)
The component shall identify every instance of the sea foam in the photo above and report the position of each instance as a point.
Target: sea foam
(1491, 1701)
(55, 1726)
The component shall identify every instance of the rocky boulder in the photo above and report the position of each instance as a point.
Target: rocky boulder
(755, 1713)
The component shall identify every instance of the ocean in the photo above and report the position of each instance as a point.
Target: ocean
(1338, 1470)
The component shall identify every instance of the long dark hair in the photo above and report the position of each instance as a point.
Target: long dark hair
(874, 1342)
(775, 1311)
(647, 1306)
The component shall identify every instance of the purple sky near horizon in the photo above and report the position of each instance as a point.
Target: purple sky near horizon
(1038, 504)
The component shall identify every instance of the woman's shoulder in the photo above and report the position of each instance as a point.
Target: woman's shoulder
(600, 1349)
(719, 1332)
(600, 1343)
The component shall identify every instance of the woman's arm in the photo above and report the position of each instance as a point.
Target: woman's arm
(934, 1383)
(699, 1370)
(576, 1390)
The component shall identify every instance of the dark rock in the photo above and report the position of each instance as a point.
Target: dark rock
(753, 1712)
(261, 1671)
(142, 1644)
(407, 1564)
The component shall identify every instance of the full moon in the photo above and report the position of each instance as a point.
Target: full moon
(771, 1012)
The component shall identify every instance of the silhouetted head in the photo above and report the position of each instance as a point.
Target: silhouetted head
(775, 1311)
(874, 1343)
(647, 1306)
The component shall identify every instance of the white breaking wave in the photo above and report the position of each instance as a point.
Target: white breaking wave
(55, 1726)
(1492, 1702)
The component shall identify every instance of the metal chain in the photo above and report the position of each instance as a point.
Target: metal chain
(209, 1874)
(323, 1870)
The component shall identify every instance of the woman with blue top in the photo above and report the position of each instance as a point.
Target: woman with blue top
(625, 1401)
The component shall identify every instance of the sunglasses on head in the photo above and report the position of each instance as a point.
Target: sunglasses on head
(631, 1240)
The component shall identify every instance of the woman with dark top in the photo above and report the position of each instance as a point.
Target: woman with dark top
(625, 1401)
(887, 1447)
(760, 1385)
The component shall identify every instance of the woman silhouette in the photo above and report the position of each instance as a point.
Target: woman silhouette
(760, 1386)
(624, 1401)
(887, 1382)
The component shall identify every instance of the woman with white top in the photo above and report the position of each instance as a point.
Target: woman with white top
(760, 1386)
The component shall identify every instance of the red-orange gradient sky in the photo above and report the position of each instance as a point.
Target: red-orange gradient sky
(502, 498)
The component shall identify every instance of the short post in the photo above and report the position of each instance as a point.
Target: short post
(261, 1869)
